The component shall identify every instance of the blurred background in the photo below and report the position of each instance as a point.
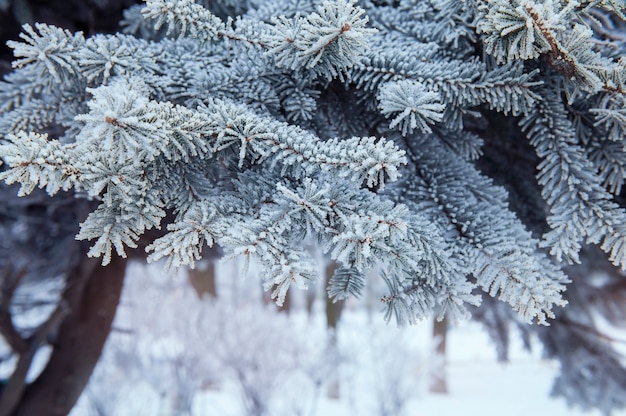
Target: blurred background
(134, 339)
(179, 347)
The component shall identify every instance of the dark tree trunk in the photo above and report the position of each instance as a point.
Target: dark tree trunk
(310, 296)
(202, 279)
(333, 313)
(439, 382)
(91, 298)
(333, 308)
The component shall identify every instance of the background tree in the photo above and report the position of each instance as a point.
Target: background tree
(45, 271)
(259, 127)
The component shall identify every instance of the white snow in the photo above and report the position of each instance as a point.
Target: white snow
(376, 360)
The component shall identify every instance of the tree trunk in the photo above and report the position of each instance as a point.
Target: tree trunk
(202, 278)
(333, 313)
(438, 378)
(333, 309)
(91, 296)
(309, 299)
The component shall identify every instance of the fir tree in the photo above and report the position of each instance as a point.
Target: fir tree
(378, 130)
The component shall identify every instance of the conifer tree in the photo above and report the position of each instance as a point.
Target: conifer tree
(475, 149)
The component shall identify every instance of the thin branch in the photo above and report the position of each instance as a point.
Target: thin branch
(10, 282)
(588, 329)
(14, 388)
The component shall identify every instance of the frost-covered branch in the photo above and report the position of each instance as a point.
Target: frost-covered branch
(581, 210)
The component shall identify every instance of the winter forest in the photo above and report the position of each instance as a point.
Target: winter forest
(312, 207)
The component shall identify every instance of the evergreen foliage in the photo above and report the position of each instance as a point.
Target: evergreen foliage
(266, 126)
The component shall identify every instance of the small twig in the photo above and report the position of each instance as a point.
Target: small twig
(591, 330)
(126, 331)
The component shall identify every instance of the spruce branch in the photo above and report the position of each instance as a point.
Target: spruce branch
(122, 120)
(186, 17)
(50, 49)
(494, 245)
(528, 30)
(34, 161)
(344, 283)
(328, 41)
(183, 243)
(413, 105)
(460, 83)
(581, 210)
(262, 140)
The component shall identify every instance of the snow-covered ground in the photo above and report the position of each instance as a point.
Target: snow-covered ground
(382, 370)
(478, 384)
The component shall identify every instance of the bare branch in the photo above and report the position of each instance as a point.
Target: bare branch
(10, 282)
